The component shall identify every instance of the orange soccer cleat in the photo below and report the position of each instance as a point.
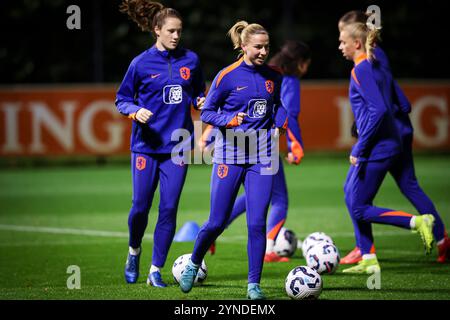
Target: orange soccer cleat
(273, 257)
(444, 250)
(352, 257)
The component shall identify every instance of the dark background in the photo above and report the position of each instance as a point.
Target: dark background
(37, 47)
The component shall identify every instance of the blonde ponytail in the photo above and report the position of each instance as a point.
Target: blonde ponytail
(235, 33)
(373, 36)
(241, 32)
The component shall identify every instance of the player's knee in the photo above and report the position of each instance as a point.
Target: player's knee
(140, 208)
(358, 212)
(167, 223)
(168, 209)
(257, 229)
(215, 228)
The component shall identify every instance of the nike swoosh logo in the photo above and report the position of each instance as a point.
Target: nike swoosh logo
(155, 75)
(241, 88)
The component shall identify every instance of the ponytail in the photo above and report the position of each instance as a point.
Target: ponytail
(148, 14)
(235, 33)
(241, 31)
(373, 36)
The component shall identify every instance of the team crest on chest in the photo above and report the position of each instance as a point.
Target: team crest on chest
(269, 86)
(141, 163)
(185, 73)
(222, 171)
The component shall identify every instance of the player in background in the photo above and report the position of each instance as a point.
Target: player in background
(244, 97)
(371, 95)
(293, 60)
(156, 93)
(403, 171)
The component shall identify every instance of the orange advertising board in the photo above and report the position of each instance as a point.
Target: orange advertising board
(83, 120)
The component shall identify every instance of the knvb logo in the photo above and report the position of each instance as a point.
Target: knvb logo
(185, 73)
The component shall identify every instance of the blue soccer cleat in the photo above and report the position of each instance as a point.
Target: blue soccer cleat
(132, 268)
(254, 292)
(188, 276)
(154, 279)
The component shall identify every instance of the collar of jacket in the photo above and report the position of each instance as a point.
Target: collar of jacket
(251, 67)
(165, 53)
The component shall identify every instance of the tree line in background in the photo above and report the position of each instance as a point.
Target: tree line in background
(37, 47)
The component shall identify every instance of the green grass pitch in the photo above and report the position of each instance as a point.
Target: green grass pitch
(44, 212)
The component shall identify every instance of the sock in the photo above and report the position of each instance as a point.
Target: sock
(369, 256)
(193, 264)
(252, 285)
(154, 268)
(134, 251)
(270, 244)
(412, 222)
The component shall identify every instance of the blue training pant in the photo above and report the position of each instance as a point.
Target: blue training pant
(363, 183)
(225, 182)
(279, 205)
(147, 170)
(404, 175)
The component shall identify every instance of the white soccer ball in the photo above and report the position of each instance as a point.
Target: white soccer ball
(312, 239)
(323, 257)
(286, 243)
(303, 282)
(180, 264)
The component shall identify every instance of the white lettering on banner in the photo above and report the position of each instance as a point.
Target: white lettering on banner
(61, 130)
(441, 123)
(12, 143)
(74, 20)
(86, 128)
(345, 138)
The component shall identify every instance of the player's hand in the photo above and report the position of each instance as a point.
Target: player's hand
(240, 117)
(143, 115)
(353, 161)
(291, 159)
(200, 102)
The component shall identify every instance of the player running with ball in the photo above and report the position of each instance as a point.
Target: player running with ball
(244, 97)
(156, 93)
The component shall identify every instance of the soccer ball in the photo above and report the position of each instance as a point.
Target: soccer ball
(180, 264)
(286, 243)
(323, 257)
(312, 239)
(303, 283)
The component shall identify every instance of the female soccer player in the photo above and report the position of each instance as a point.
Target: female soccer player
(156, 93)
(403, 171)
(243, 98)
(378, 146)
(293, 60)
